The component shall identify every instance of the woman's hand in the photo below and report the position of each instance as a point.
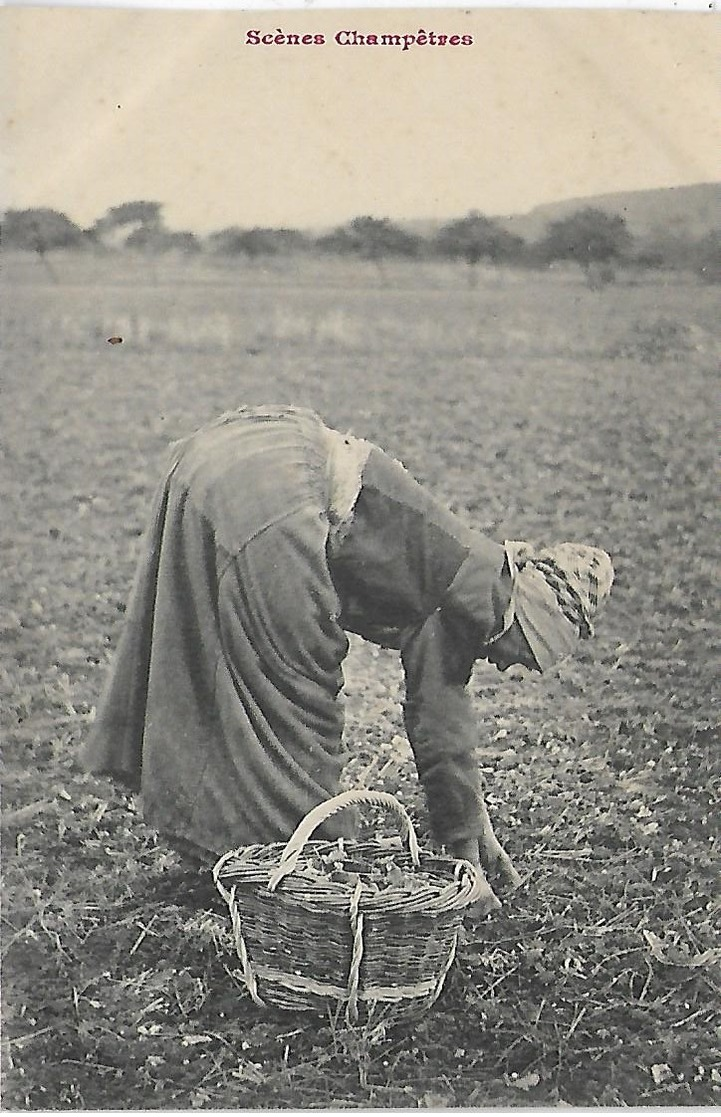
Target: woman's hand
(488, 901)
(496, 861)
(494, 858)
(487, 853)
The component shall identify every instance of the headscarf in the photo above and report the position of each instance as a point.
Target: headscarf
(555, 595)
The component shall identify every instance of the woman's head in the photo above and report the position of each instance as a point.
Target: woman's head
(555, 594)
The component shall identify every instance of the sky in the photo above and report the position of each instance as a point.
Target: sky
(101, 107)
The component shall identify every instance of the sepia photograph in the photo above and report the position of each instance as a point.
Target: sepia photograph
(360, 627)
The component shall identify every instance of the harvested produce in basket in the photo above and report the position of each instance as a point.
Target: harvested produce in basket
(385, 872)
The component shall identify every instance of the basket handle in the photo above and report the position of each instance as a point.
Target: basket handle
(305, 828)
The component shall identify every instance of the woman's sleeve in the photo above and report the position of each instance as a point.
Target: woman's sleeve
(440, 722)
(411, 575)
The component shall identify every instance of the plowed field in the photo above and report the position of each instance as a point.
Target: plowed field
(539, 409)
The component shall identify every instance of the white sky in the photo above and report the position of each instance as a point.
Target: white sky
(105, 106)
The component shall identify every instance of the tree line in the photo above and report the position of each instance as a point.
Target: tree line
(598, 241)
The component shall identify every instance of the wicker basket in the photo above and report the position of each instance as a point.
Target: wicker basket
(307, 939)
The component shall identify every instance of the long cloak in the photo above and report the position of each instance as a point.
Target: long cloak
(221, 703)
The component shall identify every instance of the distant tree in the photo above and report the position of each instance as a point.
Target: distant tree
(591, 238)
(340, 241)
(371, 238)
(184, 241)
(121, 222)
(148, 214)
(256, 242)
(674, 248)
(224, 242)
(646, 258)
(376, 238)
(39, 230)
(474, 238)
(161, 240)
(289, 240)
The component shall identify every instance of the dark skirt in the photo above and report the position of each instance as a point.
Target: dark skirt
(222, 702)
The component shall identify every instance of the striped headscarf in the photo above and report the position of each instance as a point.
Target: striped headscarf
(556, 592)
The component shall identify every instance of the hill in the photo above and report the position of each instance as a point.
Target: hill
(688, 211)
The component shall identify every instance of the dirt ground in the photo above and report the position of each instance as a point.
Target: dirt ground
(538, 409)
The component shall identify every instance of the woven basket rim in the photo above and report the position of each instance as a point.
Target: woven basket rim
(447, 881)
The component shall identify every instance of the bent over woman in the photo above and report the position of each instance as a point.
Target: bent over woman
(271, 537)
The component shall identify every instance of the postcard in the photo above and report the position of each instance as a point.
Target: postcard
(359, 554)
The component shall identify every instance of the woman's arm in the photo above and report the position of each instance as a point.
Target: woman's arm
(441, 725)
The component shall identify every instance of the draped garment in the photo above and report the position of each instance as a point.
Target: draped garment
(222, 705)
